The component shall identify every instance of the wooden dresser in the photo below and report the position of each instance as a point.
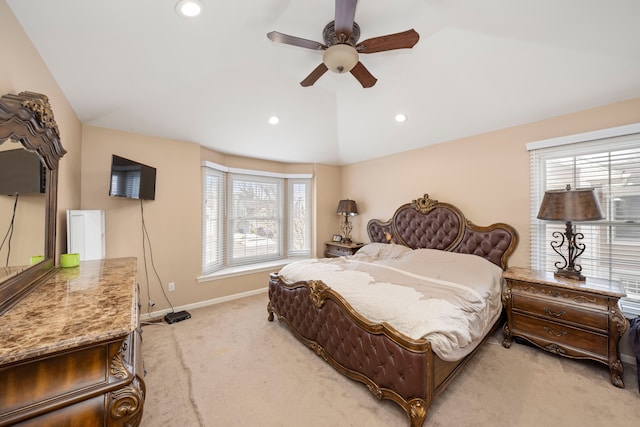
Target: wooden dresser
(70, 350)
(581, 320)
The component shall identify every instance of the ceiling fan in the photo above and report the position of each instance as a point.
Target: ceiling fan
(341, 47)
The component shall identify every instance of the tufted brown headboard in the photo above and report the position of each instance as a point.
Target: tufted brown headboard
(427, 223)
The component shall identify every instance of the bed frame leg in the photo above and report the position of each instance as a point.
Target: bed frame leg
(270, 311)
(417, 412)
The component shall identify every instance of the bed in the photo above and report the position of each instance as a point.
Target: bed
(339, 307)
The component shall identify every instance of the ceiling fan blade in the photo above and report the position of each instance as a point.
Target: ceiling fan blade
(315, 75)
(404, 40)
(277, 37)
(345, 14)
(363, 75)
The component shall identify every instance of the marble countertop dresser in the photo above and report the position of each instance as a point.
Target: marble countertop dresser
(71, 349)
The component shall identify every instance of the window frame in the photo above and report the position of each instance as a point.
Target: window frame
(609, 141)
(223, 253)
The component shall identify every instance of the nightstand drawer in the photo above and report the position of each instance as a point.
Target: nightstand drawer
(556, 311)
(334, 249)
(563, 335)
(340, 251)
(567, 296)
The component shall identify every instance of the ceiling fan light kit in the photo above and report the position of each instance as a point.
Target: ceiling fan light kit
(340, 58)
(341, 47)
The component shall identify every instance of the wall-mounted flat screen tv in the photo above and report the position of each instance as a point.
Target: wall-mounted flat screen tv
(132, 179)
(21, 172)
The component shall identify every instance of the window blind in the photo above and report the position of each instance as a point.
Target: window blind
(213, 198)
(255, 218)
(612, 166)
(299, 215)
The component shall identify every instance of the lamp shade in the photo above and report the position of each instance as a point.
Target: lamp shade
(580, 204)
(340, 58)
(347, 208)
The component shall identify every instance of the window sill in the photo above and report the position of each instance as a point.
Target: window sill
(247, 269)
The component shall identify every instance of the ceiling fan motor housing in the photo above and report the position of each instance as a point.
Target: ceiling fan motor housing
(331, 38)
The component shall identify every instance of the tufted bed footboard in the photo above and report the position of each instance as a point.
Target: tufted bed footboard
(391, 364)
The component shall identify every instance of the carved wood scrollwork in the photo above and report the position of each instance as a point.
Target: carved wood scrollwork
(506, 331)
(318, 349)
(39, 104)
(417, 412)
(119, 369)
(506, 295)
(125, 405)
(616, 370)
(424, 204)
(270, 312)
(375, 390)
(619, 320)
(556, 349)
(316, 288)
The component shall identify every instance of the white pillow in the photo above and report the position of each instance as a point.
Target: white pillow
(383, 250)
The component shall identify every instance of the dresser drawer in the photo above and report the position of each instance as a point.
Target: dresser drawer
(562, 335)
(556, 310)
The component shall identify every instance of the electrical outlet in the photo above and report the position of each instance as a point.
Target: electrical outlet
(172, 286)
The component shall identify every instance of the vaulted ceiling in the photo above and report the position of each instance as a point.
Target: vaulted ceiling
(136, 66)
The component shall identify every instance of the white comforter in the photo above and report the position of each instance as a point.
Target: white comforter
(450, 299)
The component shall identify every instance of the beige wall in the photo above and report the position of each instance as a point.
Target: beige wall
(22, 69)
(328, 193)
(487, 175)
(173, 219)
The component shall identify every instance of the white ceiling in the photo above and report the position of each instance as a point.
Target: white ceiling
(480, 65)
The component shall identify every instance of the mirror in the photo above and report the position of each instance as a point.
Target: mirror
(22, 208)
(27, 123)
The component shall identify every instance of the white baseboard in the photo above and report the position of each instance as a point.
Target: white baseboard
(160, 313)
(628, 359)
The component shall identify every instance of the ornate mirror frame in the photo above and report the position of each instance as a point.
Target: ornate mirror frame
(27, 118)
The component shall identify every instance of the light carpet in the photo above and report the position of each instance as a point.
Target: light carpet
(229, 366)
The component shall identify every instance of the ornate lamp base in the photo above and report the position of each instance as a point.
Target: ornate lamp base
(346, 228)
(568, 267)
(575, 275)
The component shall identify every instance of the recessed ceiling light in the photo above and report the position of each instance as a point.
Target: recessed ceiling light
(274, 120)
(401, 118)
(189, 8)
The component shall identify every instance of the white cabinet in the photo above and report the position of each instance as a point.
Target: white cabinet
(85, 234)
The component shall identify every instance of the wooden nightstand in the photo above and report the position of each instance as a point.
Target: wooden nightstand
(336, 249)
(580, 320)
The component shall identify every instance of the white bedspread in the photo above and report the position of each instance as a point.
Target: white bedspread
(450, 299)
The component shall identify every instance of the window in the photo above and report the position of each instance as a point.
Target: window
(608, 161)
(251, 217)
